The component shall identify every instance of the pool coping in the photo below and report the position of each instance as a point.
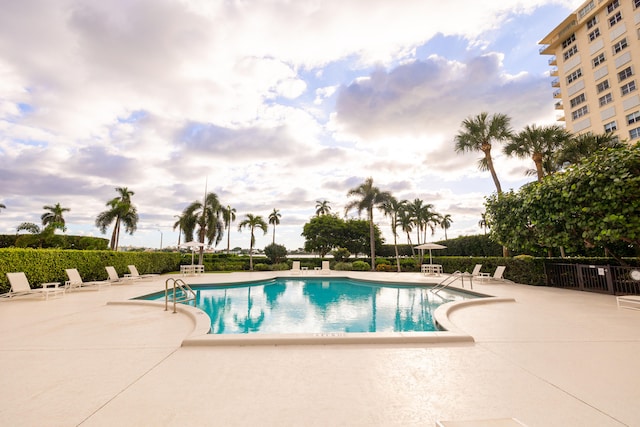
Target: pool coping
(200, 335)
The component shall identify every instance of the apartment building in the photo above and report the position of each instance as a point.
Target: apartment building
(596, 68)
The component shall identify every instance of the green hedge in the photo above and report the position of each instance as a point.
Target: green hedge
(58, 241)
(48, 265)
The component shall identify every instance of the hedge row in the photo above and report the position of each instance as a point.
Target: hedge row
(58, 241)
(48, 265)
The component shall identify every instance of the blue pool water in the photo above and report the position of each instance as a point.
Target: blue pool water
(319, 305)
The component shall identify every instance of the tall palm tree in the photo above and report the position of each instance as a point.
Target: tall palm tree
(252, 222)
(206, 217)
(478, 133)
(484, 222)
(369, 197)
(274, 219)
(393, 209)
(2, 206)
(228, 215)
(539, 143)
(322, 207)
(406, 223)
(423, 218)
(54, 217)
(445, 223)
(121, 211)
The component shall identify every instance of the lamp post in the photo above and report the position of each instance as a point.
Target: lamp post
(160, 238)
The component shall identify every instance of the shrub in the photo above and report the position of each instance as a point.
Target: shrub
(341, 254)
(361, 266)
(343, 266)
(261, 267)
(384, 267)
(276, 253)
(282, 266)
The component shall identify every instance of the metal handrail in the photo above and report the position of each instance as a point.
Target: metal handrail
(446, 282)
(188, 294)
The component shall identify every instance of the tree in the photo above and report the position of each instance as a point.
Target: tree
(229, 215)
(274, 219)
(584, 145)
(252, 222)
(445, 223)
(369, 197)
(406, 223)
(539, 143)
(206, 217)
(2, 206)
(322, 207)
(484, 222)
(30, 227)
(393, 209)
(355, 236)
(120, 211)
(275, 253)
(54, 217)
(479, 133)
(323, 233)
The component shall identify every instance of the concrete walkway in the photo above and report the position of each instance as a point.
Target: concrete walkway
(551, 358)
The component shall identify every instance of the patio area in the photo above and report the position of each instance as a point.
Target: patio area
(551, 358)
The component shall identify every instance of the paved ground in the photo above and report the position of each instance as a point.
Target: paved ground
(551, 358)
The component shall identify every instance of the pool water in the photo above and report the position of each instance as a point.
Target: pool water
(314, 305)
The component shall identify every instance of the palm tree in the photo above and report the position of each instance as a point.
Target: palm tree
(322, 207)
(445, 223)
(484, 222)
(393, 209)
(477, 135)
(2, 206)
(228, 215)
(30, 227)
(54, 217)
(369, 197)
(539, 143)
(253, 222)
(406, 223)
(274, 219)
(583, 145)
(206, 217)
(121, 211)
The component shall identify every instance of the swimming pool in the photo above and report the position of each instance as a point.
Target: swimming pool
(320, 305)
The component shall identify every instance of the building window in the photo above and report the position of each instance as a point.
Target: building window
(634, 133)
(633, 118)
(592, 22)
(580, 112)
(613, 6)
(574, 76)
(624, 74)
(577, 100)
(599, 59)
(621, 45)
(568, 41)
(604, 100)
(610, 127)
(569, 53)
(628, 88)
(588, 8)
(603, 86)
(594, 34)
(613, 20)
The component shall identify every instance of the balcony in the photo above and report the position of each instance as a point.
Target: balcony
(557, 94)
(559, 106)
(555, 83)
(553, 61)
(553, 72)
(560, 118)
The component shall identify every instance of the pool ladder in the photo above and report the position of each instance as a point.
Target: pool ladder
(186, 293)
(446, 282)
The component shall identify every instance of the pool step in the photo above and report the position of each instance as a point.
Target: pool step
(629, 301)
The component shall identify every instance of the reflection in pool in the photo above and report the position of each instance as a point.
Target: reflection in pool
(314, 305)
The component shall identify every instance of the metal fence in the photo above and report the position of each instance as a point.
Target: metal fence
(605, 279)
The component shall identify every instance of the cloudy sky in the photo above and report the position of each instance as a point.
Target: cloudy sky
(270, 104)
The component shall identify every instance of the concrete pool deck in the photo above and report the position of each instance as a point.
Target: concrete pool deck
(552, 357)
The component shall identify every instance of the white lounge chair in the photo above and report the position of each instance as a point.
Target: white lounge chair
(295, 267)
(326, 268)
(135, 275)
(497, 275)
(76, 282)
(114, 278)
(20, 287)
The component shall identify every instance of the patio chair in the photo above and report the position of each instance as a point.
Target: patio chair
(135, 275)
(114, 278)
(76, 282)
(20, 287)
(326, 268)
(295, 267)
(497, 275)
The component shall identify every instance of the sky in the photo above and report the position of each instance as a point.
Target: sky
(270, 104)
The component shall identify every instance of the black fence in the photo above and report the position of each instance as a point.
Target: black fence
(604, 279)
